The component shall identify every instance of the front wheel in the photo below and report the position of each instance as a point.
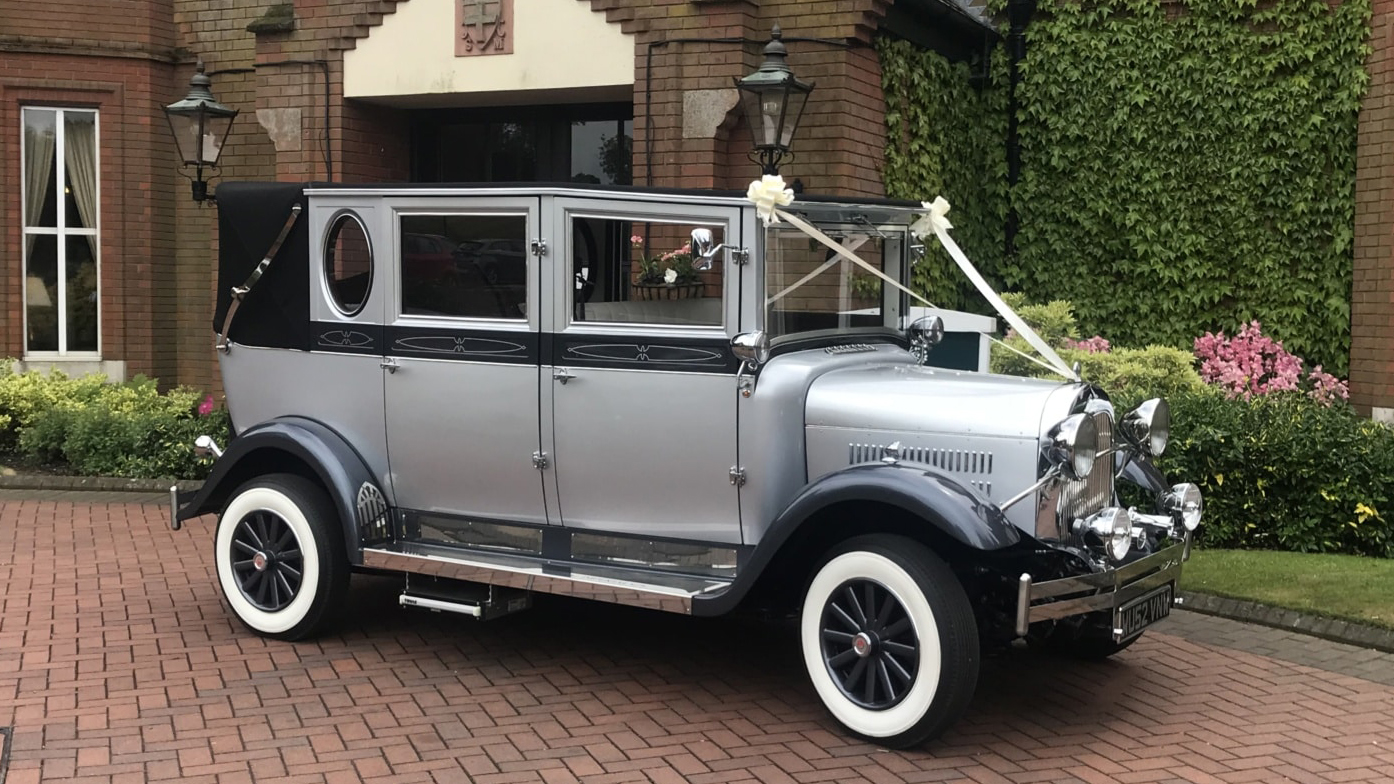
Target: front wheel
(280, 558)
(889, 640)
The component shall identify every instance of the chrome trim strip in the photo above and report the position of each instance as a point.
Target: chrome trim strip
(601, 583)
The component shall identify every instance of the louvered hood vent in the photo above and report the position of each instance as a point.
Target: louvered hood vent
(975, 466)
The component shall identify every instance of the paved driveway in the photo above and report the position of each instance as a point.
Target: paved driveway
(119, 663)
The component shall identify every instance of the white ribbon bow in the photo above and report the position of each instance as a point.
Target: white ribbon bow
(934, 220)
(769, 194)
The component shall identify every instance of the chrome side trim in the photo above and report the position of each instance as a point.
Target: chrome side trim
(635, 588)
(1105, 590)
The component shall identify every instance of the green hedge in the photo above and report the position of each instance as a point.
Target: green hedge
(1284, 472)
(92, 427)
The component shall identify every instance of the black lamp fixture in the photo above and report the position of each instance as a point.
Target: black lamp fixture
(200, 126)
(774, 101)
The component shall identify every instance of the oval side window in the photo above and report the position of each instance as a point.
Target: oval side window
(348, 264)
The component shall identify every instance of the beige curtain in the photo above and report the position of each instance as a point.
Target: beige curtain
(39, 141)
(80, 157)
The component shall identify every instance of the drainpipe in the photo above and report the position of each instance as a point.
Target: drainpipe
(1018, 17)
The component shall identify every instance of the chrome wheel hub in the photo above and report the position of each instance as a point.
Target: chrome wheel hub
(862, 644)
(260, 562)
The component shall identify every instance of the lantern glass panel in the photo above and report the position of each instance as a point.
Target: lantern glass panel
(185, 128)
(793, 112)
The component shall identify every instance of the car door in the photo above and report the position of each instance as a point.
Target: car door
(640, 373)
(340, 381)
(462, 364)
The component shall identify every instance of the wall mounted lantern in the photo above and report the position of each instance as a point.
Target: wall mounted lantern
(200, 126)
(774, 101)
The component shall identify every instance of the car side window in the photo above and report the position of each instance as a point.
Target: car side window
(464, 266)
(348, 264)
(644, 271)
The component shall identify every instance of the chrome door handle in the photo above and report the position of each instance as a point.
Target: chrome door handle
(563, 375)
(389, 364)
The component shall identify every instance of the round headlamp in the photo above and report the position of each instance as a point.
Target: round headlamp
(1073, 444)
(1115, 528)
(1148, 426)
(1185, 505)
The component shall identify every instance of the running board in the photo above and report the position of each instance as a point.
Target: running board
(615, 584)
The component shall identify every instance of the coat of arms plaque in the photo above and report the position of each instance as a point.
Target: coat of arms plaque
(483, 27)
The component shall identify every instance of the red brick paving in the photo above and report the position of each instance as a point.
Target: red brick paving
(119, 663)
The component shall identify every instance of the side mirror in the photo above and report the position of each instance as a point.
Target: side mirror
(703, 248)
(925, 333)
(752, 348)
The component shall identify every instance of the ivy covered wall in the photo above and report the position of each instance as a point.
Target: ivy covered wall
(1186, 165)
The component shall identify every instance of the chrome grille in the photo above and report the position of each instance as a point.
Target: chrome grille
(953, 461)
(1083, 497)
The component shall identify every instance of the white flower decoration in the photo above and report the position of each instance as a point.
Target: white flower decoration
(934, 219)
(769, 193)
(671, 276)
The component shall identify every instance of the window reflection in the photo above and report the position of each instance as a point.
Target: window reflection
(470, 266)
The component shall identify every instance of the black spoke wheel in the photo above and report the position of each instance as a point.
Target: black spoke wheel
(889, 639)
(869, 644)
(266, 560)
(280, 558)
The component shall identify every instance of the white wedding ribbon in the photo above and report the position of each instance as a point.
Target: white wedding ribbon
(935, 220)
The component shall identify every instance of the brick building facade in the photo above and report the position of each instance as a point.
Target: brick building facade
(298, 73)
(1372, 296)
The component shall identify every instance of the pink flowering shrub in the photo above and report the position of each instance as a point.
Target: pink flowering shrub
(1252, 364)
(207, 406)
(1094, 345)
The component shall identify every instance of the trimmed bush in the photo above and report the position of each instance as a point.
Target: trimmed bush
(97, 428)
(1285, 472)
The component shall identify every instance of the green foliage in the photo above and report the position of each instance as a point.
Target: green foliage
(1128, 375)
(1194, 162)
(97, 428)
(1284, 472)
(945, 138)
(1187, 165)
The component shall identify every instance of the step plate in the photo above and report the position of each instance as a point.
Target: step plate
(632, 587)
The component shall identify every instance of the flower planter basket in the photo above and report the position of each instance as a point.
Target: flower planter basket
(656, 291)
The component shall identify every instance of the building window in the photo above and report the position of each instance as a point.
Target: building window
(580, 143)
(60, 196)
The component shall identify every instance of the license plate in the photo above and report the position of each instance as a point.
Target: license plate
(1142, 612)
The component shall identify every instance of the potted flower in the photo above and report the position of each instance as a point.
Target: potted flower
(668, 275)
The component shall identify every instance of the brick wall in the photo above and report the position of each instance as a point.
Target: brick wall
(130, 57)
(1372, 299)
(135, 240)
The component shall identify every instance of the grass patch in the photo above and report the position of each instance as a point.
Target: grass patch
(1349, 587)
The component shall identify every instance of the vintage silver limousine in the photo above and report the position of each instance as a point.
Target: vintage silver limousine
(651, 398)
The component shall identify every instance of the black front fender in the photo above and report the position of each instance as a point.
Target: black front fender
(937, 499)
(264, 449)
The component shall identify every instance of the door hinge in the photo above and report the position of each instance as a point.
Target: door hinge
(741, 257)
(539, 247)
(737, 476)
(539, 461)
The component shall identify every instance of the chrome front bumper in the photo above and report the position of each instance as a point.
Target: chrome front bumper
(1107, 590)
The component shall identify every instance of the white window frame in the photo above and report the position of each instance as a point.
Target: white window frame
(61, 232)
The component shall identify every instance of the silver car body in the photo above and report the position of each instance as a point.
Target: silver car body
(637, 444)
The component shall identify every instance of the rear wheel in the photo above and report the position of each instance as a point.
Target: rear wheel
(280, 559)
(889, 640)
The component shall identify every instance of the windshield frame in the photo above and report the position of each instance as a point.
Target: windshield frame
(888, 224)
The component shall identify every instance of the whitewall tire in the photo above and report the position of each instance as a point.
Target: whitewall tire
(889, 640)
(279, 556)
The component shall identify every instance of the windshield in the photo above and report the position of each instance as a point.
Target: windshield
(810, 290)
